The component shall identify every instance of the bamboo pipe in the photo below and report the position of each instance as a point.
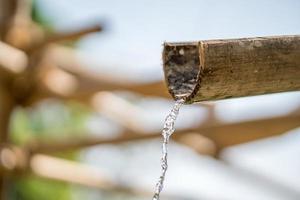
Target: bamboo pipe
(219, 69)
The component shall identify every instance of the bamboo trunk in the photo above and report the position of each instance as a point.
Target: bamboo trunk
(219, 69)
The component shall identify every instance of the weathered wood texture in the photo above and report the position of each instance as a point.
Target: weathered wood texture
(219, 69)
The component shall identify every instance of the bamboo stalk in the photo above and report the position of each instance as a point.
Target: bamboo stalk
(219, 69)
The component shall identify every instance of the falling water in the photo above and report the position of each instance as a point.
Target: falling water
(167, 131)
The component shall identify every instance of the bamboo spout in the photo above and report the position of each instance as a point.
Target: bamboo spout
(219, 69)
(182, 68)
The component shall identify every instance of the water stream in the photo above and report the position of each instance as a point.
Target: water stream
(167, 131)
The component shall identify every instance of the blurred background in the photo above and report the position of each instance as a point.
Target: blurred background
(82, 103)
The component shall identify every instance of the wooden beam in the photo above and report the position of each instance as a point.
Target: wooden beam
(232, 134)
(84, 142)
(16, 160)
(119, 110)
(12, 59)
(219, 69)
(68, 171)
(197, 142)
(91, 82)
(128, 115)
(87, 82)
(222, 135)
(61, 37)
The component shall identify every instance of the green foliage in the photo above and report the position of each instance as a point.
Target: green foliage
(49, 120)
(39, 18)
(33, 188)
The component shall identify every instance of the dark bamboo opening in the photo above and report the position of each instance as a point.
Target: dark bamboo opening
(182, 69)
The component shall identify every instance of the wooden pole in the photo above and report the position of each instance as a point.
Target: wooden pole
(219, 69)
